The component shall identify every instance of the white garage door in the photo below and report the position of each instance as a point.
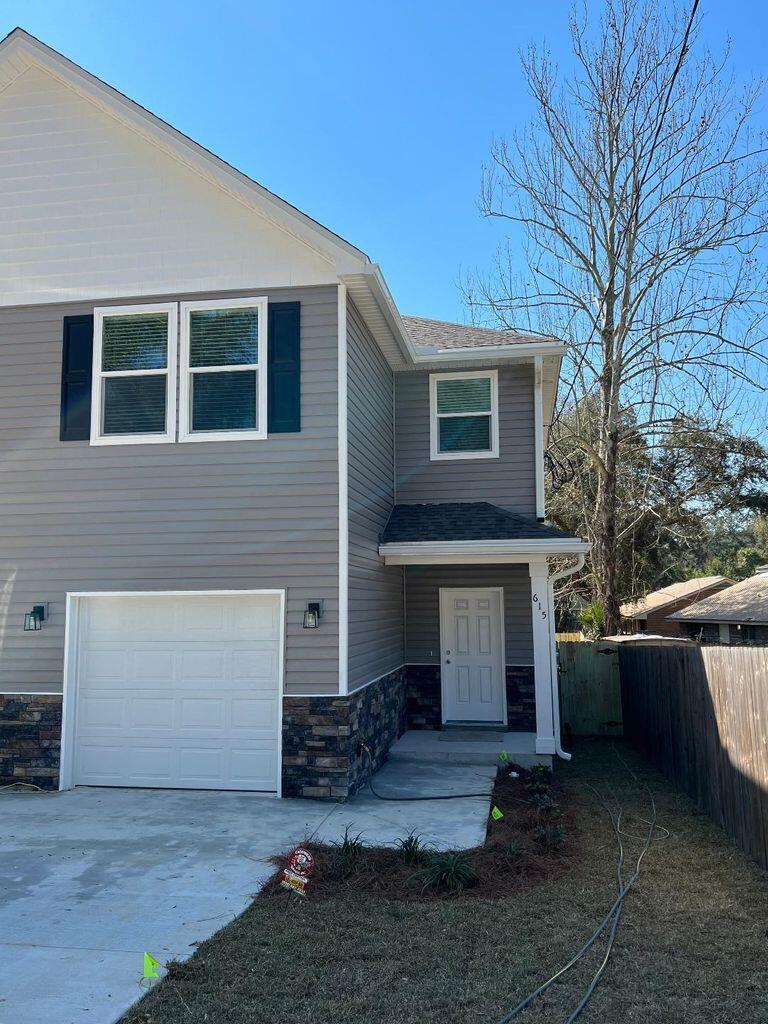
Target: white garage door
(178, 691)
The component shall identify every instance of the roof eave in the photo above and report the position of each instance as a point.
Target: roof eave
(522, 350)
(478, 551)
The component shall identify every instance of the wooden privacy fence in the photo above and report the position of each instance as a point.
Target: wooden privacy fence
(590, 692)
(700, 714)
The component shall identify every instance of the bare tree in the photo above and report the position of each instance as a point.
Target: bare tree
(638, 195)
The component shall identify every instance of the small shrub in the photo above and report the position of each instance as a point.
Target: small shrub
(549, 837)
(348, 853)
(513, 849)
(593, 620)
(544, 804)
(412, 849)
(540, 774)
(449, 872)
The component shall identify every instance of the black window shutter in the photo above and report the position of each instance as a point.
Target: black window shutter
(284, 368)
(76, 373)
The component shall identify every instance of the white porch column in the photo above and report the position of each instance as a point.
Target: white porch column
(542, 663)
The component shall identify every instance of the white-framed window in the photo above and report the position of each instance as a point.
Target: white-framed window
(134, 374)
(223, 370)
(464, 415)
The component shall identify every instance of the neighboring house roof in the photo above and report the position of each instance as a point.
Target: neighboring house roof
(745, 602)
(440, 335)
(464, 521)
(669, 595)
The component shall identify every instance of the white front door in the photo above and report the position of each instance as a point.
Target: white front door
(472, 656)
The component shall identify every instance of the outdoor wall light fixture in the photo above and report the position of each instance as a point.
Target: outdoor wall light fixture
(313, 614)
(34, 620)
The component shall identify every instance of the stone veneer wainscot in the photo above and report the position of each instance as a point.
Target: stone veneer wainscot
(30, 739)
(322, 736)
(423, 700)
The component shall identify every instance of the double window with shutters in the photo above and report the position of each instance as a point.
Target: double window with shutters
(222, 369)
(464, 415)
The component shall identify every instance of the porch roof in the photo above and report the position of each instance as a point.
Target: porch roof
(471, 530)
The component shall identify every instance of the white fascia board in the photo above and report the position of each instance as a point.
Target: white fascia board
(340, 253)
(499, 551)
(523, 350)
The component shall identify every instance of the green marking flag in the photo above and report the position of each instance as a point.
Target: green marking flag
(503, 756)
(150, 966)
(496, 814)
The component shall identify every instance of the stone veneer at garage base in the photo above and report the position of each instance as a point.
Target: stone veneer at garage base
(30, 739)
(322, 757)
(322, 736)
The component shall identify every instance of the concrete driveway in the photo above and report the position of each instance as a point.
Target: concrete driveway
(91, 878)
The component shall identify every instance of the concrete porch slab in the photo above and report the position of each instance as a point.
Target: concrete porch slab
(443, 747)
(456, 824)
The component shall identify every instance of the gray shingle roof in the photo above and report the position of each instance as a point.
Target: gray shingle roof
(439, 334)
(469, 520)
(743, 602)
(668, 595)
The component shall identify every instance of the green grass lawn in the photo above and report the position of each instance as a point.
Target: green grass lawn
(691, 946)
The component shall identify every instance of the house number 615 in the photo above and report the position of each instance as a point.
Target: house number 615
(537, 603)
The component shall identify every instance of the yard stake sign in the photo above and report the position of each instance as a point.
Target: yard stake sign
(150, 967)
(296, 875)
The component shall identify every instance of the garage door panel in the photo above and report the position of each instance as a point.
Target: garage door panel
(203, 663)
(178, 692)
(153, 713)
(101, 712)
(257, 665)
(152, 666)
(107, 666)
(202, 713)
(257, 716)
(201, 766)
(250, 766)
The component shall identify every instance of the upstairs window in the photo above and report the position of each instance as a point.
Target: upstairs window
(134, 374)
(464, 415)
(223, 387)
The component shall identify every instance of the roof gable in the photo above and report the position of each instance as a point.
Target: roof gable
(83, 166)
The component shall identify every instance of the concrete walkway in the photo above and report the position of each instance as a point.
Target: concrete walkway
(91, 878)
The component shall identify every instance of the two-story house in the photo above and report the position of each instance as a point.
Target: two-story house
(251, 517)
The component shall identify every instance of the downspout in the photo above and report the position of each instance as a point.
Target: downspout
(551, 580)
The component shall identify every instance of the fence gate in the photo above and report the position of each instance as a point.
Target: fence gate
(590, 689)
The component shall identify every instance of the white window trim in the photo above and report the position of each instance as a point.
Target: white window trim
(185, 372)
(434, 434)
(97, 388)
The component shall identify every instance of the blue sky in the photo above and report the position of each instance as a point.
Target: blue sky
(373, 118)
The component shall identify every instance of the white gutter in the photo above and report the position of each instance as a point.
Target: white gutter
(568, 571)
(523, 350)
(542, 546)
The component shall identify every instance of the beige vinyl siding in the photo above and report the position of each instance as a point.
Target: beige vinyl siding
(375, 590)
(422, 608)
(508, 481)
(75, 181)
(216, 515)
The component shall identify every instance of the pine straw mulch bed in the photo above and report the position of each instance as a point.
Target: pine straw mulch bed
(528, 846)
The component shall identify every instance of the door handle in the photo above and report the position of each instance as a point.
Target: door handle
(447, 661)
